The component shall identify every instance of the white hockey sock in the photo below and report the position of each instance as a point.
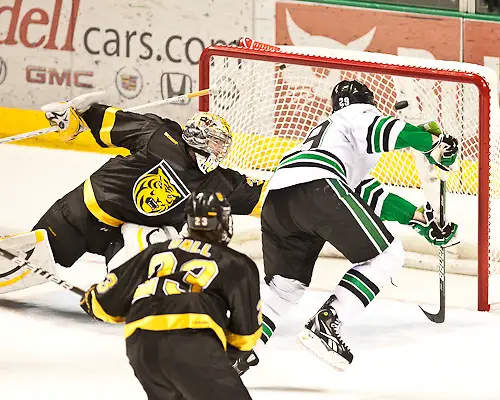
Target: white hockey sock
(278, 297)
(363, 282)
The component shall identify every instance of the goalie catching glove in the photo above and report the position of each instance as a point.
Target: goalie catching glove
(431, 231)
(444, 151)
(66, 115)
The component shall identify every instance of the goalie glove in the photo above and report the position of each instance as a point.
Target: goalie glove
(431, 231)
(65, 118)
(444, 151)
(66, 115)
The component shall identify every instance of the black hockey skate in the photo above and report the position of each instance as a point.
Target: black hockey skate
(322, 337)
(243, 364)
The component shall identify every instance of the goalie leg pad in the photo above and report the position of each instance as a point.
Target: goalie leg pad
(32, 245)
(134, 239)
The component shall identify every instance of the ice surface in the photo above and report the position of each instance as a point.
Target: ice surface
(49, 349)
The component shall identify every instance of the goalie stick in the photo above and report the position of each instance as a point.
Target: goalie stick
(170, 100)
(41, 272)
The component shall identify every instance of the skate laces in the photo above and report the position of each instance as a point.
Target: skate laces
(336, 328)
(334, 325)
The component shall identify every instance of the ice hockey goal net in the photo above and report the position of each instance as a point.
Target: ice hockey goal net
(272, 98)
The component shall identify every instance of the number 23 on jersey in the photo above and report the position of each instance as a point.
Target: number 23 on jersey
(199, 274)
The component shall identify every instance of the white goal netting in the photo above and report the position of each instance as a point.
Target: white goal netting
(272, 99)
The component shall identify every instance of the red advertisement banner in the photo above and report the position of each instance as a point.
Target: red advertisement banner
(337, 27)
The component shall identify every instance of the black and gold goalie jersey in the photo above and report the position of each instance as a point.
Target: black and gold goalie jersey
(183, 284)
(149, 186)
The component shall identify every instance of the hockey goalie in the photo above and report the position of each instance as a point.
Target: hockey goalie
(166, 163)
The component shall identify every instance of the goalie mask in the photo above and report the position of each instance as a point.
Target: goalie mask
(208, 217)
(210, 137)
(346, 93)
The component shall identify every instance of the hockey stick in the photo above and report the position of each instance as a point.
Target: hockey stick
(428, 178)
(170, 100)
(28, 135)
(39, 132)
(41, 272)
(439, 317)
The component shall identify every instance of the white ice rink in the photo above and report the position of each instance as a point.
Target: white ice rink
(50, 349)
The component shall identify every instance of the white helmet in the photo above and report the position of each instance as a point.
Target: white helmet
(210, 137)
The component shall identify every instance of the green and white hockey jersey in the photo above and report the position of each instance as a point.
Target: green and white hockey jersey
(346, 146)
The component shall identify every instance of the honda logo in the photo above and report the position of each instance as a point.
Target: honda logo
(175, 84)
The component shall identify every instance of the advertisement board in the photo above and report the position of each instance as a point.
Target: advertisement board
(384, 31)
(56, 49)
(379, 31)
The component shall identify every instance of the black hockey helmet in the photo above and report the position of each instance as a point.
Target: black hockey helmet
(350, 92)
(208, 217)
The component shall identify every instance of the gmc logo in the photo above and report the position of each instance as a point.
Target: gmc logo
(53, 76)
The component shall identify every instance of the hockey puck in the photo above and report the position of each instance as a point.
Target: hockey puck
(400, 105)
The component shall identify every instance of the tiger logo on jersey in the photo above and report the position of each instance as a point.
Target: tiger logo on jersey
(158, 190)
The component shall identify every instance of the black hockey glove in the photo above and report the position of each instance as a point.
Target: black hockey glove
(431, 231)
(246, 360)
(447, 143)
(450, 150)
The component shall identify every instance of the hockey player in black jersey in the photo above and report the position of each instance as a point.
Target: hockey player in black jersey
(148, 187)
(184, 302)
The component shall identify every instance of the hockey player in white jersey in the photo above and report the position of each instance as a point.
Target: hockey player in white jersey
(319, 193)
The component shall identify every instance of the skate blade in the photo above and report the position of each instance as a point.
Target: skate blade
(316, 346)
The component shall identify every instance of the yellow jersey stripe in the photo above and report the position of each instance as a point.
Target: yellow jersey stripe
(92, 205)
(107, 124)
(243, 342)
(139, 239)
(99, 312)
(169, 322)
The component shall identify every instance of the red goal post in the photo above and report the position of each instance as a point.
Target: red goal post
(272, 98)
